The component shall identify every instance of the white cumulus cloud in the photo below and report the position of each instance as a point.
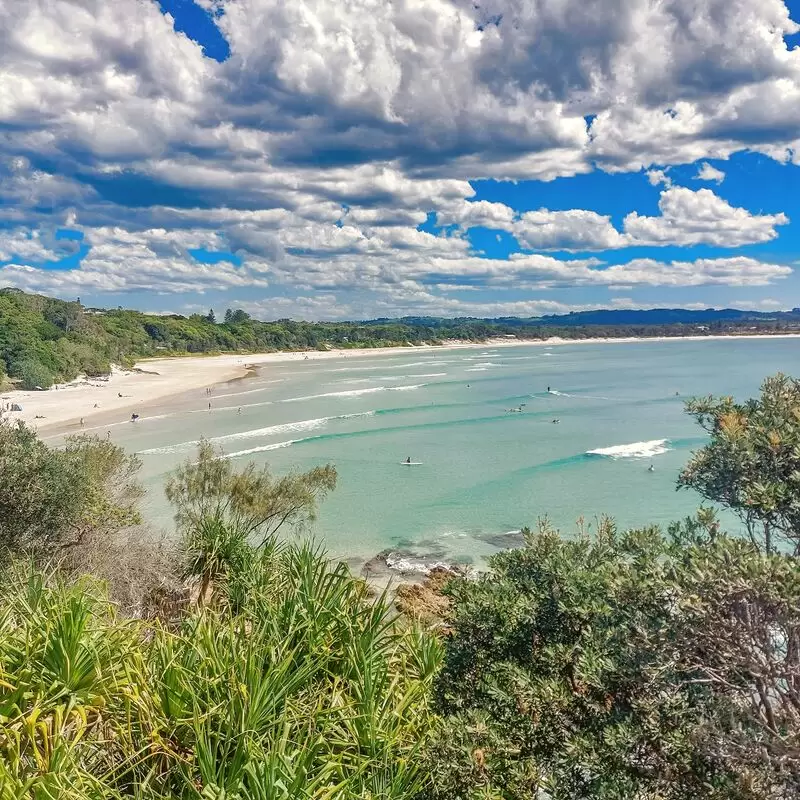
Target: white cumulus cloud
(707, 172)
(702, 217)
(317, 150)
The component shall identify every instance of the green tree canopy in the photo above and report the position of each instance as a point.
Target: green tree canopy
(52, 500)
(224, 514)
(751, 464)
(630, 665)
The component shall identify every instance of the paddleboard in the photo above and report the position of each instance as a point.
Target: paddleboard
(411, 463)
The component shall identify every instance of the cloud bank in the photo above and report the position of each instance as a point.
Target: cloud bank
(336, 150)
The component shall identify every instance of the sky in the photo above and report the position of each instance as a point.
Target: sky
(353, 159)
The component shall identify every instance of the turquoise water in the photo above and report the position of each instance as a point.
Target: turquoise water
(484, 470)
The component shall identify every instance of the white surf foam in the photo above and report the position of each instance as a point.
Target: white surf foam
(407, 565)
(655, 447)
(248, 391)
(408, 377)
(264, 448)
(272, 430)
(427, 363)
(354, 392)
(579, 396)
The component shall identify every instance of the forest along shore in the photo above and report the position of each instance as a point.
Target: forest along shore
(151, 382)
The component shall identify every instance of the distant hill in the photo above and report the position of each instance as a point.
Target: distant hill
(44, 340)
(614, 317)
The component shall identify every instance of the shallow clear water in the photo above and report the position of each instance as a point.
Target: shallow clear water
(484, 470)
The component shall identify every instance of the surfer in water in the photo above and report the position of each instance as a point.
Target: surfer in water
(408, 460)
(548, 390)
(651, 468)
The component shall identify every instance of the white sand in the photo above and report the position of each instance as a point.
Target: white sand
(61, 409)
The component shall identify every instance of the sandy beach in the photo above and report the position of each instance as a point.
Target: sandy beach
(98, 401)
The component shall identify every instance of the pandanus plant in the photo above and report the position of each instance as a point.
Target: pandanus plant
(295, 684)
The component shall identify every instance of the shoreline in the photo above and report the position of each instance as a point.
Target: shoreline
(59, 410)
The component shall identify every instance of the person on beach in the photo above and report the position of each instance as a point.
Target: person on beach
(81, 422)
(209, 406)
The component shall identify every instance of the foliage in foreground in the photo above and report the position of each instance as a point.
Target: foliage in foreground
(223, 513)
(751, 466)
(631, 665)
(306, 690)
(55, 500)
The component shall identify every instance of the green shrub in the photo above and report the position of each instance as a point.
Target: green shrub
(33, 375)
(307, 690)
(633, 665)
(56, 501)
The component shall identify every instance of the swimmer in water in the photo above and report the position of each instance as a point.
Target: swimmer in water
(651, 468)
(239, 411)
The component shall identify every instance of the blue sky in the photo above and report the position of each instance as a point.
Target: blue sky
(323, 160)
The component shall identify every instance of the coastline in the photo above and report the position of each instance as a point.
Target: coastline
(57, 411)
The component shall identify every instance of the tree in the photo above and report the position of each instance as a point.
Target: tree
(751, 466)
(736, 632)
(53, 501)
(33, 374)
(223, 513)
(211, 317)
(238, 316)
(631, 665)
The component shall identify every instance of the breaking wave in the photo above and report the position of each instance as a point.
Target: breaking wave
(375, 367)
(264, 448)
(409, 377)
(578, 396)
(272, 430)
(354, 392)
(654, 447)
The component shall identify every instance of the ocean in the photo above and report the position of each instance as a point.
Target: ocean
(481, 471)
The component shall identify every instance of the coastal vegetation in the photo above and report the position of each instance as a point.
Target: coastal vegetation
(44, 340)
(607, 665)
